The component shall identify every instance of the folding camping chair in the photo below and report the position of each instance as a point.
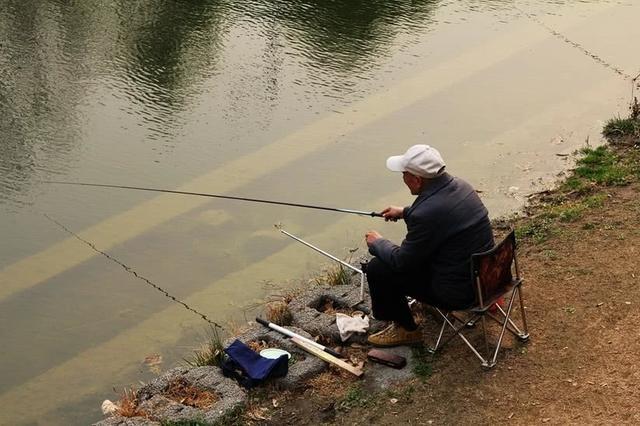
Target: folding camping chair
(495, 274)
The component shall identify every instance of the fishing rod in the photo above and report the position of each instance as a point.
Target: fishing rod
(226, 197)
(330, 256)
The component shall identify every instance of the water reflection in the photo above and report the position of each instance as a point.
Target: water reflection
(165, 50)
(37, 97)
(339, 40)
(160, 55)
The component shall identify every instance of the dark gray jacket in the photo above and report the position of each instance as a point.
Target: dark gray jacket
(445, 225)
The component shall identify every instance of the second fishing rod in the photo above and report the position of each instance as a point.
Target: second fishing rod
(226, 197)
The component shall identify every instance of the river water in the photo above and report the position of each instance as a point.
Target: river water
(298, 101)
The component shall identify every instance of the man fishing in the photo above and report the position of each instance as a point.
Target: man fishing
(446, 223)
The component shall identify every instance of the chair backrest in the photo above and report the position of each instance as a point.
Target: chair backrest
(492, 270)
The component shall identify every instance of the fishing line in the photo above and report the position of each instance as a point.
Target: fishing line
(578, 46)
(134, 273)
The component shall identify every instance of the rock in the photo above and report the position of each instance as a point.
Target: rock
(108, 407)
(166, 410)
(159, 407)
(127, 421)
(307, 311)
(380, 377)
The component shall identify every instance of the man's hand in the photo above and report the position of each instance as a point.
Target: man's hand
(371, 236)
(393, 213)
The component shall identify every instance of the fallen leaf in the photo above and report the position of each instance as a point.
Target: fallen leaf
(153, 359)
(394, 400)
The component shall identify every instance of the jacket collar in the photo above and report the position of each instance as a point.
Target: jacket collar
(435, 185)
(432, 187)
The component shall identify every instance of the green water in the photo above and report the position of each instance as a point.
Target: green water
(298, 101)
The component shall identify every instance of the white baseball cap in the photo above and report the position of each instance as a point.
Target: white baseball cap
(419, 160)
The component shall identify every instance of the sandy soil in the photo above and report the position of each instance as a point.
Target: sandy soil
(582, 297)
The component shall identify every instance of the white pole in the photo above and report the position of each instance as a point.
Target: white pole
(330, 256)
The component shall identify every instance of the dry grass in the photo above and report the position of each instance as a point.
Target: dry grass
(331, 383)
(335, 382)
(128, 404)
(237, 328)
(211, 353)
(279, 313)
(258, 345)
(181, 391)
(333, 276)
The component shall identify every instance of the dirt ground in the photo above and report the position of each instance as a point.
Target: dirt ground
(582, 297)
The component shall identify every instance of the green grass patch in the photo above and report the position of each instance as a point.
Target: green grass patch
(602, 166)
(537, 230)
(423, 360)
(356, 396)
(570, 214)
(338, 275)
(576, 184)
(594, 201)
(621, 127)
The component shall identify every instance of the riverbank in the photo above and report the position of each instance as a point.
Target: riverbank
(578, 252)
(578, 248)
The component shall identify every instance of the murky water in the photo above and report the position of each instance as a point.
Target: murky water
(297, 101)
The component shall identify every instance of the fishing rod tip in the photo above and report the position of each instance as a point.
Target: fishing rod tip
(278, 225)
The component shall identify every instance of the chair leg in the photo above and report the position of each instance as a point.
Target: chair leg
(522, 335)
(502, 331)
(525, 336)
(435, 348)
(491, 352)
(486, 338)
(457, 332)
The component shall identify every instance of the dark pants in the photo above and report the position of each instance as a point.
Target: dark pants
(389, 288)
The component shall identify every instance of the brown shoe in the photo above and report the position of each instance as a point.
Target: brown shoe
(396, 335)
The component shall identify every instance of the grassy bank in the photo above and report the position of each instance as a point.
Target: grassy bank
(578, 248)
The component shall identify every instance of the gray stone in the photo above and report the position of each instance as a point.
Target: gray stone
(160, 383)
(164, 409)
(307, 312)
(231, 397)
(379, 377)
(127, 421)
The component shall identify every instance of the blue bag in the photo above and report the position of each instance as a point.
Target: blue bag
(250, 368)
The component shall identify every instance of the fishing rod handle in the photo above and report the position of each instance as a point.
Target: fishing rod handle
(289, 333)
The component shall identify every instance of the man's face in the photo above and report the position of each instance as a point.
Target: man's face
(414, 183)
